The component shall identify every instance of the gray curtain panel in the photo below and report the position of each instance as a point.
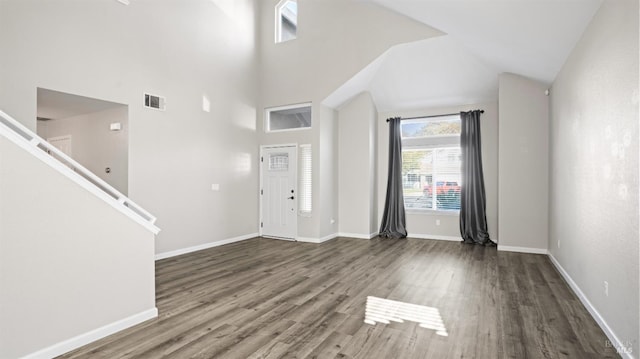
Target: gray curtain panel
(473, 218)
(393, 220)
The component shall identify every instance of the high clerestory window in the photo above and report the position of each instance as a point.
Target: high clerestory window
(286, 20)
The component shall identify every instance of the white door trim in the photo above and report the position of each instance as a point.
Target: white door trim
(63, 138)
(260, 161)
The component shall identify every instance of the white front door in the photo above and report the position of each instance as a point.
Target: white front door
(279, 192)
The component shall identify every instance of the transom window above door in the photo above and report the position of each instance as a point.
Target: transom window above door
(288, 118)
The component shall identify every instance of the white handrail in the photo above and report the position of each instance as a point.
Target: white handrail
(25, 138)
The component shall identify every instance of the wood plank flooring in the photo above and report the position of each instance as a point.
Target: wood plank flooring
(265, 298)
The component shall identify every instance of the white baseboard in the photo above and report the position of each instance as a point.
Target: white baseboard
(205, 246)
(317, 240)
(329, 237)
(431, 236)
(592, 310)
(523, 249)
(357, 235)
(89, 337)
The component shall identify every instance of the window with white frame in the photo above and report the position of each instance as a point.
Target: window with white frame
(286, 20)
(431, 163)
(304, 205)
(287, 118)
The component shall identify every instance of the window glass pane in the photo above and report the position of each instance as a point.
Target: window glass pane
(427, 128)
(287, 21)
(431, 163)
(279, 162)
(288, 119)
(447, 169)
(417, 176)
(431, 178)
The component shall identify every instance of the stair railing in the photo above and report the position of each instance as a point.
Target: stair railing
(39, 147)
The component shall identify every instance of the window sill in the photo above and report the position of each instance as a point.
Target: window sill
(284, 41)
(289, 130)
(431, 212)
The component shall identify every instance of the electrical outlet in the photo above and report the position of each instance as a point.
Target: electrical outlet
(215, 187)
(606, 288)
(558, 243)
(437, 222)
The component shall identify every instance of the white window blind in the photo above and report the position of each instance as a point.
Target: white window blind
(305, 180)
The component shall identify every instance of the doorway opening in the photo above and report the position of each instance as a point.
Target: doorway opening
(93, 132)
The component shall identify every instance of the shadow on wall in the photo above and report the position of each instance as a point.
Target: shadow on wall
(91, 131)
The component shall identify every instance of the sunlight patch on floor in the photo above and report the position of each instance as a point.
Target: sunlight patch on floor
(385, 311)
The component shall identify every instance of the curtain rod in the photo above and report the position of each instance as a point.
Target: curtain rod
(443, 115)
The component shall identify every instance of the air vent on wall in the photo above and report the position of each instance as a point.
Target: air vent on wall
(153, 101)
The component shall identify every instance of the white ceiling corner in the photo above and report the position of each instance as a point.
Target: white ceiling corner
(358, 83)
(532, 38)
(436, 72)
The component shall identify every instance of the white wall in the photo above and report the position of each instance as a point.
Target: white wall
(328, 190)
(336, 39)
(373, 172)
(357, 124)
(68, 265)
(523, 163)
(594, 167)
(423, 224)
(94, 145)
(178, 49)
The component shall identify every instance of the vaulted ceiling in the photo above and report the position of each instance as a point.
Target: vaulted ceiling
(532, 38)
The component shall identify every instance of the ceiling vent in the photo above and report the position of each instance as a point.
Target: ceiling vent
(153, 101)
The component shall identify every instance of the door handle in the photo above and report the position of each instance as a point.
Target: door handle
(291, 197)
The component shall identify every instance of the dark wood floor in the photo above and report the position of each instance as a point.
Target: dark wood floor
(265, 298)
